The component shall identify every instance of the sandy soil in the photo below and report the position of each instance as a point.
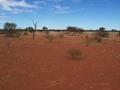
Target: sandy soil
(39, 65)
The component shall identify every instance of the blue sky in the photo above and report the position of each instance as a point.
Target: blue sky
(88, 14)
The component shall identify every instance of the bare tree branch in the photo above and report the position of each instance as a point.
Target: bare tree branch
(35, 28)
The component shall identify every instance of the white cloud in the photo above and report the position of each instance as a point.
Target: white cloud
(58, 9)
(40, 2)
(17, 11)
(61, 9)
(13, 5)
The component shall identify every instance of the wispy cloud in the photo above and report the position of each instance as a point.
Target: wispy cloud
(17, 11)
(59, 9)
(15, 6)
(43, 2)
(26, 6)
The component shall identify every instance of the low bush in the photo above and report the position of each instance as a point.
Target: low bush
(49, 37)
(118, 34)
(18, 34)
(94, 39)
(102, 32)
(61, 35)
(25, 32)
(74, 53)
(97, 38)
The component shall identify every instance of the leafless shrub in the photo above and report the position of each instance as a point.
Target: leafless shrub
(18, 34)
(118, 34)
(49, 37)
(93, 39)
(8, 43)
(25, 32)
(61, 35)
(74, 53)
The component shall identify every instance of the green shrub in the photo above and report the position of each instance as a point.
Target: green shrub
(74, 53)
(30, 29)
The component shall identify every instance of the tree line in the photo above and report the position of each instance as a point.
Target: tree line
(11, 29)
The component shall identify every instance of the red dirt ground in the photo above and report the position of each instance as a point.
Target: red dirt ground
(39, 65)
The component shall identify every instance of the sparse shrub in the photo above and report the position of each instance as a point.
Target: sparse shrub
(45, 29)
(86, 36)
(118, 34)
(113, 30)
(18, 34)
(66, 32)
(47, 32)
(25, 33)
(9, 35)
(74, 53)
(75, 29)
(102, 32)
(93, 39)
(61, 35)
(49, 37)
(81, 30)
(30, 29)
(97, 39)
(8, 43)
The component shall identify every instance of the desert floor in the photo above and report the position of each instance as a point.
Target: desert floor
(39, 65)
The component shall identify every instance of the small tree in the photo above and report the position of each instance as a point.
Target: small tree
(102, 29)
(10, 28)
(30, 29)
(71, 28)
(102, 32)
(45, 29)
(80, 30)
(75, 29)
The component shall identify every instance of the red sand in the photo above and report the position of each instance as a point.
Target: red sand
(40, 65)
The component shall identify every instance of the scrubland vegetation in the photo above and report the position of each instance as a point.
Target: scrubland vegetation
(45, 59)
